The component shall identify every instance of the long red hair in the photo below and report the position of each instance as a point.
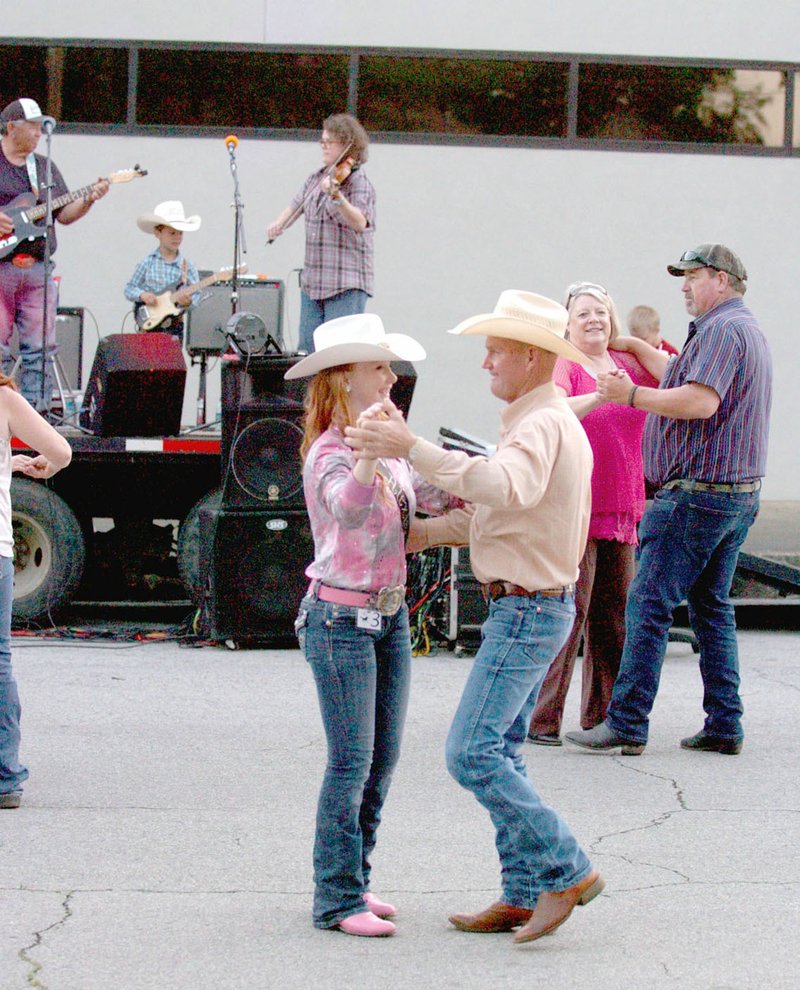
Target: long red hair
(5, 380)
(327, 404)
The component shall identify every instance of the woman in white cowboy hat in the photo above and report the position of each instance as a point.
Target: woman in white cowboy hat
(353, 623)
(165, 268)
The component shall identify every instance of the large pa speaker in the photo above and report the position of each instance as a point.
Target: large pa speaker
(206, 323)
(262, 429)
(261, 433)
(253, 569)
(136, 386)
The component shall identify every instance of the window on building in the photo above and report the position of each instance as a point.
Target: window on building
(82, 85)
(94, 84)
(24, 74)
(462, 96)
(217, 88)
(685, 104)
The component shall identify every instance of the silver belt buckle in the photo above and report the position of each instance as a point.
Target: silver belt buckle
(389, 600)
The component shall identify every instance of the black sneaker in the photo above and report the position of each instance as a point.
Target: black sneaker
(713, 744)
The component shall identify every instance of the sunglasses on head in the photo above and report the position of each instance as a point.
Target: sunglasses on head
(695, 256)
(579, 287)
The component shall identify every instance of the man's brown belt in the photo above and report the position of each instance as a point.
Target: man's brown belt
(502, 589)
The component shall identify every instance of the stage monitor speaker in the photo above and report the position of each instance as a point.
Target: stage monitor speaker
(261, 433)
(253, 569)
(136, 386)
(206, 323)
(69, 337)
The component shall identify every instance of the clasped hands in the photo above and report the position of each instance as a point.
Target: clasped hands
(380, 431)
(614, 386)
(37, 466)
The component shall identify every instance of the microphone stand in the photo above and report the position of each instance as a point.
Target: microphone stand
(47, 126)
(238, 228)
(239, 248)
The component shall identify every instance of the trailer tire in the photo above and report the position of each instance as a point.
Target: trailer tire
(189, 549)
(49, 550)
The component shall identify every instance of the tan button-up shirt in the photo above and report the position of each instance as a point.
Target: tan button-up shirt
(532, 496)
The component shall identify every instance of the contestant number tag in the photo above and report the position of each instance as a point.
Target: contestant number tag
(368, 618)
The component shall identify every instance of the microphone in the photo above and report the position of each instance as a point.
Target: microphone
(231, 141)
(48, 123)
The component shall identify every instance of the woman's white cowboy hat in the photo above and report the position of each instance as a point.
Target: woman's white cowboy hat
(528, 318)
(350, 339)
(169, 214)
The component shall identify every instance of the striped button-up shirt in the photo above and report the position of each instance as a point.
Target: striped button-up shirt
(727, 351)
(337, 257)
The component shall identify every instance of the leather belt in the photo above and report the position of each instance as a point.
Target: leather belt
(387, 601)
(502, 589)
(736, 487)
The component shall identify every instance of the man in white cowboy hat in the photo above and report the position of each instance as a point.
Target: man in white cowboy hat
(165, 268)
(22, 268)
(526, 537)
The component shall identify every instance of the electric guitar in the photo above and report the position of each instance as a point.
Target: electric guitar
(24, 210)
(165, 307)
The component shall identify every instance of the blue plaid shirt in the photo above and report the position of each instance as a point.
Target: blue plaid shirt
(155, 274)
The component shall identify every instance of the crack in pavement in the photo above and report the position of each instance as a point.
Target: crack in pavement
(25, 954)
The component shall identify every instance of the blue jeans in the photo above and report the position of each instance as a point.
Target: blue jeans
(363, 679)
(316, 311)
(22, 303)
(12, 773)
(688, 548)
(520, 638)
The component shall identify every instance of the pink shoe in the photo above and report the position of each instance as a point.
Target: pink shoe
(367, 924)
(381, 908)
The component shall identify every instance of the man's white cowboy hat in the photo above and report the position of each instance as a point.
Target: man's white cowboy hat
(350, 339)
(528, 318)
(169, 214)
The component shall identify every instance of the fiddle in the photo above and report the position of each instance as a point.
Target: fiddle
(338, 173)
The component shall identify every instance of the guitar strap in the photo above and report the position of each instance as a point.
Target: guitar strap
(33, 178)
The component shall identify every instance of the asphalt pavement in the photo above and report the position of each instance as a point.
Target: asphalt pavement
(165, 835)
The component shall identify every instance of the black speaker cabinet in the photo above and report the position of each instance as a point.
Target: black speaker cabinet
(262, 429)
(206, 322)
(136, 386)
(253, 569)
(69, 337)
(403, 388)
(261, 433)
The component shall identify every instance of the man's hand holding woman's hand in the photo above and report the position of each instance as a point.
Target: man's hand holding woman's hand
(380, 431)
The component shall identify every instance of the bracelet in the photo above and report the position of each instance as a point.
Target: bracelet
(631, 395)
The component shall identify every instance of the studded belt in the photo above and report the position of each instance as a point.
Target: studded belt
(736, 487)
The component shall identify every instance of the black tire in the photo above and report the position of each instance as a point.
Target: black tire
(49, 550)
(189, 549)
